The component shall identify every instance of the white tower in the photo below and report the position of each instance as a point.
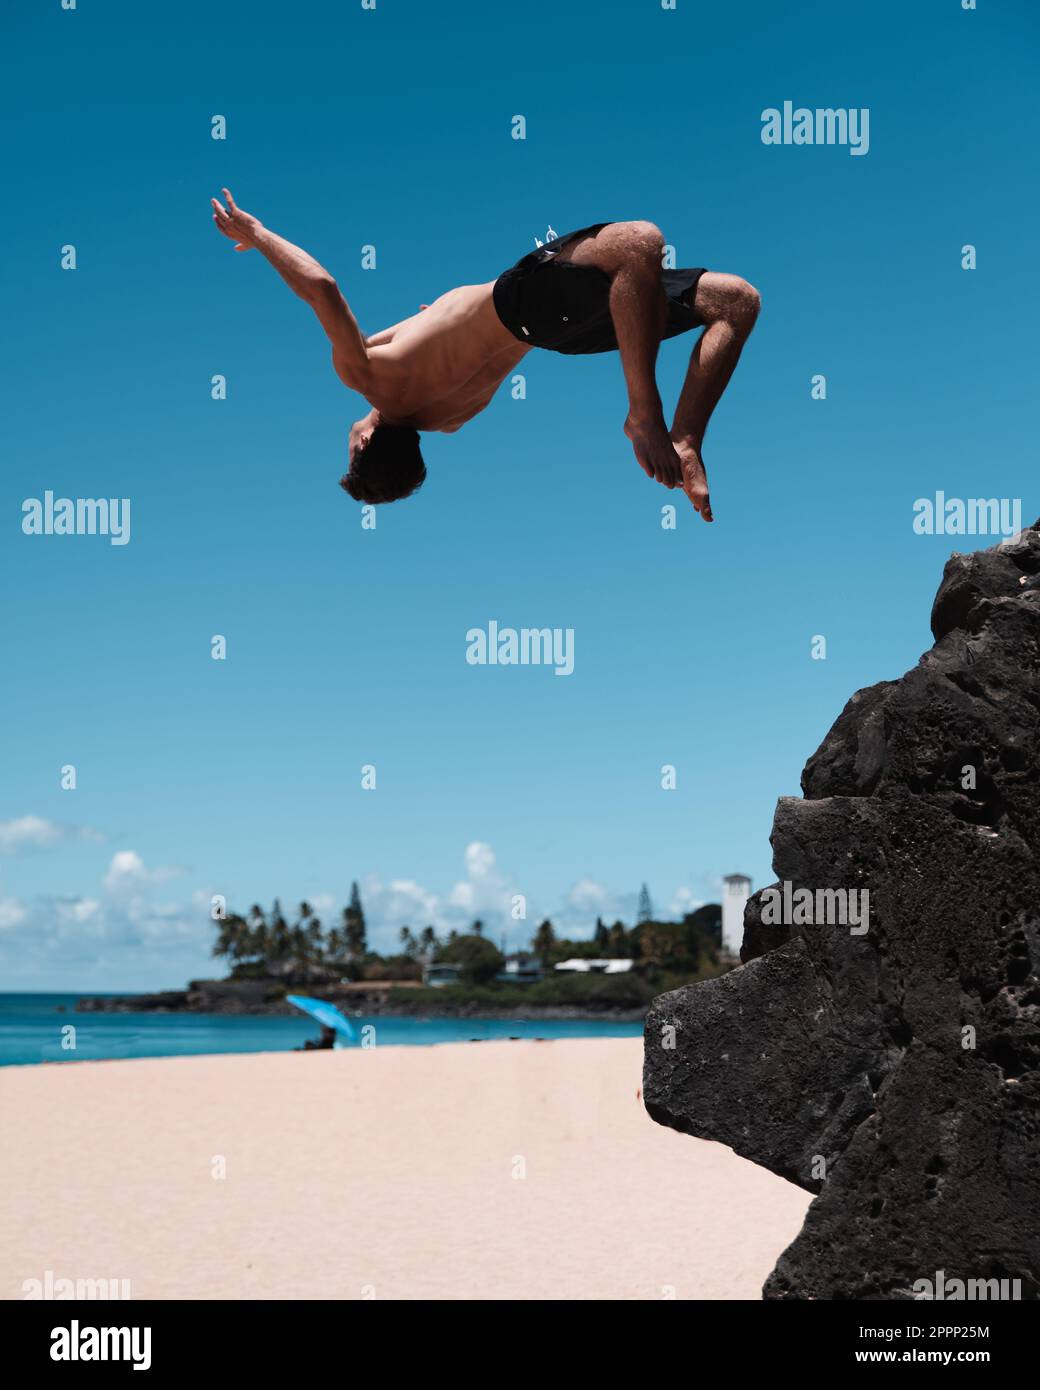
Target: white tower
(736, 889)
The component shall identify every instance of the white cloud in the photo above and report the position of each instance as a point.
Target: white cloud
(84, 931)
(12, 913)
(485, 891)
(37, 833)
(127, 933)
(125, 872)
(400, 902)
(684, 900)
(586, 900)
(482, 892)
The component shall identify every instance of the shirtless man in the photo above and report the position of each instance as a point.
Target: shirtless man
(593, 290)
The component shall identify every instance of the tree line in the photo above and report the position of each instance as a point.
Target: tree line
(267, 943)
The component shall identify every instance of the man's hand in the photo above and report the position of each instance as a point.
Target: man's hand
(694, 478)
(240, 226)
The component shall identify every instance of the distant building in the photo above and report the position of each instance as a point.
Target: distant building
(736, 889)
(578, 965)
(520, 969)
(441, 974)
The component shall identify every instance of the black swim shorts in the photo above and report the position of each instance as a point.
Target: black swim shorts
(565, 307)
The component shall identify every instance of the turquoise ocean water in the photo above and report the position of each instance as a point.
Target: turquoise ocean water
(31, 1030)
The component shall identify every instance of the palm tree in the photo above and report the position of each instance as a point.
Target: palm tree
(227, 936)
(281, 943)
(543, 942)
(255, 936)
(314, 944)
(354, 924)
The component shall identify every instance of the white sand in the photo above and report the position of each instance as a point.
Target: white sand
(383, 1173)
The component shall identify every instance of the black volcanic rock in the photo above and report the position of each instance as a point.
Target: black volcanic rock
(896, 1073)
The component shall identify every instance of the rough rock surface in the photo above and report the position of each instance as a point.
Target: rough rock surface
(896, 1073)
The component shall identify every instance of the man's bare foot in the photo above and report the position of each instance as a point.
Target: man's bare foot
(655, 452)
(694, 478)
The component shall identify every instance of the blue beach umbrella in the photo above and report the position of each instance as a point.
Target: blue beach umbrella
(324, 1013)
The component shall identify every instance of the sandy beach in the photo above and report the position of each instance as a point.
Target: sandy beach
(504, 1170)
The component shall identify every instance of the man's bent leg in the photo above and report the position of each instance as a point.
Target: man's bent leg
(729, 306)
(630, 253)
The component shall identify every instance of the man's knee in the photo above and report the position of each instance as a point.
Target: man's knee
(631, 246)
(644, 240)
(729, 299)
(744, 302)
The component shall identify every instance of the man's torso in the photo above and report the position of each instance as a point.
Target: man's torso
(443, 365)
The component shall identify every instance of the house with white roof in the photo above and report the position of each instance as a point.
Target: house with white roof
(579, 965)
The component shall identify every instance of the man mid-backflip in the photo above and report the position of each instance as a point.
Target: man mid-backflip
(594, 290)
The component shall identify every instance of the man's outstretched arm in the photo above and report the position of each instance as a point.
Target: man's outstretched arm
(306, 278)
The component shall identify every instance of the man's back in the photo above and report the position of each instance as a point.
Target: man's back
(441, 366)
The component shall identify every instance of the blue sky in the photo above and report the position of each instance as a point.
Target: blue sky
(347, 647)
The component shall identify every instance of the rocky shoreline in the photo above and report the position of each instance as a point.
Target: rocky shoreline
(367, 1000)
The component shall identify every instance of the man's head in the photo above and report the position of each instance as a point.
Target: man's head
(385, 462)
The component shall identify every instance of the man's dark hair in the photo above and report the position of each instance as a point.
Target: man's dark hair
(389, 467)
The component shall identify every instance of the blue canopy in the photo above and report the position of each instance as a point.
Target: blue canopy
(324, 1013)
